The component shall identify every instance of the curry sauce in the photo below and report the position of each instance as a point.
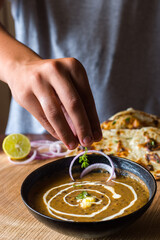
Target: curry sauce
(89, 199)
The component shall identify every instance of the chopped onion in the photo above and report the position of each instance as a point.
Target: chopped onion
(38, 143)
(42, 156)
(98, 166)
(56, 149)
(92, 151)
(44, 149)
(30, 159)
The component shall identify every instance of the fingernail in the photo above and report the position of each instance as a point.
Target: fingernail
(72, 145)
(87, 140)
(97, 135)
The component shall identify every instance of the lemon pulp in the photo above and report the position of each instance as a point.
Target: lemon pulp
(16, 146)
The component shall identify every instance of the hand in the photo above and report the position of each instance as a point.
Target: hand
(58, 95)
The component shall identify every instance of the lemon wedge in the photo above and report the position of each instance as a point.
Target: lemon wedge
(16, 146)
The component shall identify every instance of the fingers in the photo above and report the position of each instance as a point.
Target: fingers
(54, 115)
(73, 105)
(82, 84)
(78, 101)
(61, 99)
(32, 105)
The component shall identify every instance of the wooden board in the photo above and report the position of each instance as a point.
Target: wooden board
(16, 223)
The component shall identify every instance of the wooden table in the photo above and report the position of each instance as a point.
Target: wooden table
(16, 223)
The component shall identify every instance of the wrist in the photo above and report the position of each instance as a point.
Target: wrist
(14, 66)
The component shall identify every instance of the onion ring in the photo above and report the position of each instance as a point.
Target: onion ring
(97, 166)
(57, 145)
(92, 151)
(38, 143)
(53, 149)
(28, 160)
(44, 149)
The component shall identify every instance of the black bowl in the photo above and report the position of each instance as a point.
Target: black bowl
(88, 229)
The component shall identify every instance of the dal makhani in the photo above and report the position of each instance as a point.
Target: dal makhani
(91, 198)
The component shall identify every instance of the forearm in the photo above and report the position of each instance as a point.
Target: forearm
(12, 54)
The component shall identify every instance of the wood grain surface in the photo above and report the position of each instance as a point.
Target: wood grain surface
(16, 223)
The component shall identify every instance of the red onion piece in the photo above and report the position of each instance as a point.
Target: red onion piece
(92, 151)
(98, 166)
(44, 149)
(45, 155)
(49, 149)
(30, 159)
(56, 149)
(38, 143)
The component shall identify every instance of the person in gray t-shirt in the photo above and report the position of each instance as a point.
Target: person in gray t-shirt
(116, 42)
(55, 91)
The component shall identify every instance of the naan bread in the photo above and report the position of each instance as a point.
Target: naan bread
(134, 135)
(131, 119)
(139, 145)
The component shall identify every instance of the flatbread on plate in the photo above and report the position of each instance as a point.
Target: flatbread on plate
(139, 145)
(131, 119)
(134, 135)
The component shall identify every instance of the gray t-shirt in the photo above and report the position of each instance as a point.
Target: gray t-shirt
(117, 41)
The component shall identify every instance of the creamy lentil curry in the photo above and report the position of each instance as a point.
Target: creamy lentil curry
(89, 199)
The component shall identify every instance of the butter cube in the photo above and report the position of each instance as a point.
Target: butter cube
(87, 202)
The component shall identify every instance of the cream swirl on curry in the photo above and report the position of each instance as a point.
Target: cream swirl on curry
(93, 199)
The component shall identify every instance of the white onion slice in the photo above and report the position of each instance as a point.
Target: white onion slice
(98, 166)
(30, 159)
(92, 151)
